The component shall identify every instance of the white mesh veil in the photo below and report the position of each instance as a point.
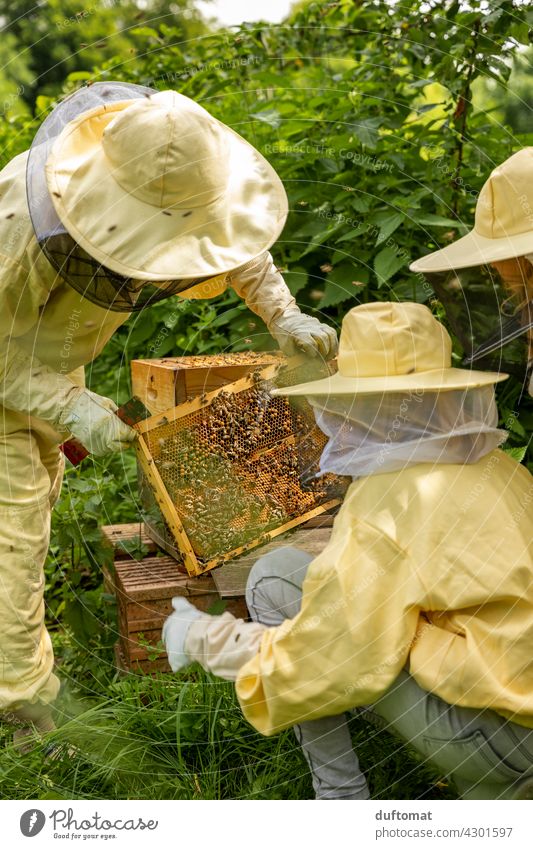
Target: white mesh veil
(375, 434)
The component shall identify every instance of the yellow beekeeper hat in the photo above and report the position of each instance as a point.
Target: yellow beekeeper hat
(157, 188)
(503, 220)
(393, 347)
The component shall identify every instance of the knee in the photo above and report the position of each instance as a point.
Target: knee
(273, 589)
(286, 563)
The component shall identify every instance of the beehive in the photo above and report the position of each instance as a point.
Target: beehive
(226, 470)
(144, 585)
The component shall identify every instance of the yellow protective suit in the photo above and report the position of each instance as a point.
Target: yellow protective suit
(47, 324)
(431, 565)
(49, 332)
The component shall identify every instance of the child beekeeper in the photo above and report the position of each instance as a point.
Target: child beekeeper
(485, 278)
(127, 196)
(421, 605)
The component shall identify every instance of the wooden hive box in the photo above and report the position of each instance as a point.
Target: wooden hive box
(164, 383)
(144, 589)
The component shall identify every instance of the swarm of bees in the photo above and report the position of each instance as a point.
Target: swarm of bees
(233, 469)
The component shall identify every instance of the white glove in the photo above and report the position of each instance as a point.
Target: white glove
(91, 419)
(265, 292)
(175, 630)
(295, 331)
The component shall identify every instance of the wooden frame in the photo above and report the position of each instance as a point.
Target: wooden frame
(191, 561)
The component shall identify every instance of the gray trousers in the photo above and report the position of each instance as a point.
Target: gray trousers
(487, 756)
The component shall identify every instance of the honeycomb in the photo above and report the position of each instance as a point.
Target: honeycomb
(241, 466)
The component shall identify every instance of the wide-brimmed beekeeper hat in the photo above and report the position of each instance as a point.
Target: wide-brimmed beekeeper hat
(393, 347)
(156, 188)
(503, 226)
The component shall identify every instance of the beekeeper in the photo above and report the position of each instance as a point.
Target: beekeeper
(127, 196)
(421, 604)
(485, 278)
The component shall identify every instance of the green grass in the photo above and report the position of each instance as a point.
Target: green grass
(183, 737)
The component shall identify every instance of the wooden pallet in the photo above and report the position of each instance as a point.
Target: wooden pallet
(144, 588)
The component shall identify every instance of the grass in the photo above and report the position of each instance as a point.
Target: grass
(184, 737)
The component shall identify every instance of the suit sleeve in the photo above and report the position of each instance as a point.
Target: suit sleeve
(263, 288)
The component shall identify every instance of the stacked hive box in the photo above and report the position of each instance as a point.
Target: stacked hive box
(144, 589)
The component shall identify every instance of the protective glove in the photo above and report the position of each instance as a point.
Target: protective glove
(265, 292)
(31, 387)
(294, 332)
(91, 419)
(175, 630)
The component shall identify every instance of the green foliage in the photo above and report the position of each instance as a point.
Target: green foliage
(48, 41)
(367, 113)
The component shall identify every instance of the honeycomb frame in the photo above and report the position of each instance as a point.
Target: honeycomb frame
(251, 471)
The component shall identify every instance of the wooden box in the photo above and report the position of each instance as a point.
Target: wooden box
(164, 383)
(144, 589)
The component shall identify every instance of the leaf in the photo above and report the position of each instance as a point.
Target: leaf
(224, 318)
(270, 117)
(146, 31)
(512, 424)
(80, 75)
(360, 203)
(344, 282)
(218, 607)
(388, 225)
(438, 221)
(412, 289)
(516, 453)
(386, 263)
(296, 278)
(367, 131)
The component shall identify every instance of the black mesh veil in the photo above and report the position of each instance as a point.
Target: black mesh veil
(94, 281)
(493, 324)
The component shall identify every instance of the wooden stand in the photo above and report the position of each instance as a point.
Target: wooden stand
(145, 585)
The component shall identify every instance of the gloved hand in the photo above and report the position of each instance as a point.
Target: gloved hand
(265, 292)
(91, 419)
(295, 331)
(175, 631)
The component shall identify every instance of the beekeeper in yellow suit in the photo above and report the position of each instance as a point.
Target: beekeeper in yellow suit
(485, 278)
(421, 604)
(127, 196)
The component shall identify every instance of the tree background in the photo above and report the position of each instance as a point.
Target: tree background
(383, 121)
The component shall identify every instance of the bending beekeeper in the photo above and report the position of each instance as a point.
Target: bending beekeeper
(485, 278)
(421, 604)
(126, 197)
